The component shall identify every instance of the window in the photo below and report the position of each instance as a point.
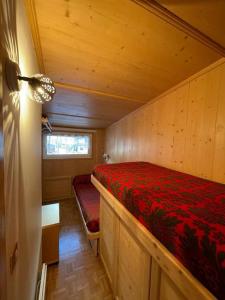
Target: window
(67, 145)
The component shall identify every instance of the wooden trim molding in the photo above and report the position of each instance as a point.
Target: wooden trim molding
(32, 16)
(166, 15)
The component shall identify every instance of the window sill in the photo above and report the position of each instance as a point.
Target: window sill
(57, 157)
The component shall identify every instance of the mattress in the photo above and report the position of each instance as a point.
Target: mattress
(89, 200)
(185, 213)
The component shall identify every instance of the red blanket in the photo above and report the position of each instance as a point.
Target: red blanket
(185, 213)
(89, 200)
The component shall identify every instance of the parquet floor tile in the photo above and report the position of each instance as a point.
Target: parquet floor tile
(79, 275)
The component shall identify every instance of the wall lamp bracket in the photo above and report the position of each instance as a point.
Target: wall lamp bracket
(106, 157)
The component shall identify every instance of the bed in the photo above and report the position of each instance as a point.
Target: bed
(88, 202)
(185, 221)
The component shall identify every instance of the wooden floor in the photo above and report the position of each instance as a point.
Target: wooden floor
(79, 274)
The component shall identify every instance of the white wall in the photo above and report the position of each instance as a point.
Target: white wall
(30, 158)
(22, 163)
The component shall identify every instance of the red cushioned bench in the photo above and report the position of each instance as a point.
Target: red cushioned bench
(88, 202)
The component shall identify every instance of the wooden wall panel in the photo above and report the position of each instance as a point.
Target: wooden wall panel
(168, 290)
(202, 115)
(184, 129)
(58, 173)
(219, 148)
(57, 186)
(109, 240)
(133, 267)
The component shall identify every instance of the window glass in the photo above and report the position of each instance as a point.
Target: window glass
(67, 145)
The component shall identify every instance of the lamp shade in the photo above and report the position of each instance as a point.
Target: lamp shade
(42, 87)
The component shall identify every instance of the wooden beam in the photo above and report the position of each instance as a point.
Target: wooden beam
(169, 17)
(84, 90)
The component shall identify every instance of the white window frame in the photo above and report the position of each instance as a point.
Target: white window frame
(67, 156)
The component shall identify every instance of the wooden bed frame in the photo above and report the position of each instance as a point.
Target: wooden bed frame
(93, 237)
(138, 266)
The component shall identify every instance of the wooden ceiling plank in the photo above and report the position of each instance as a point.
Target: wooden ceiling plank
(168, 16)
(151, 5)
(116, 47)
(89, 48)
(80, 89)
(89, 105)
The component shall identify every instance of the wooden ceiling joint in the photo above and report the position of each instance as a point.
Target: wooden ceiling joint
(84, 90)
(77, 116)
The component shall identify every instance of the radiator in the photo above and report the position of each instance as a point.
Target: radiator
(42, 283)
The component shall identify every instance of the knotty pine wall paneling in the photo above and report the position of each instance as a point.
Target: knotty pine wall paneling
(183, 129)
(58, 173)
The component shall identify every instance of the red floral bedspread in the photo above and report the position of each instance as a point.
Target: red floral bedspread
(185, 213)
(89, 199)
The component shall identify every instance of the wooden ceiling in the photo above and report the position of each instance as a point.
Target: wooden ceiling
(206, 15)
(109, 57)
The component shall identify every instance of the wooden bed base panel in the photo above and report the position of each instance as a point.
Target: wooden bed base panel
(137, 264)
(93, 237)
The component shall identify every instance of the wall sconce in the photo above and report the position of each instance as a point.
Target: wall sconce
(42, 87)
(106, 157)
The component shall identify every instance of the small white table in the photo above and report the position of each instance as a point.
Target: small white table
(50, 233)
